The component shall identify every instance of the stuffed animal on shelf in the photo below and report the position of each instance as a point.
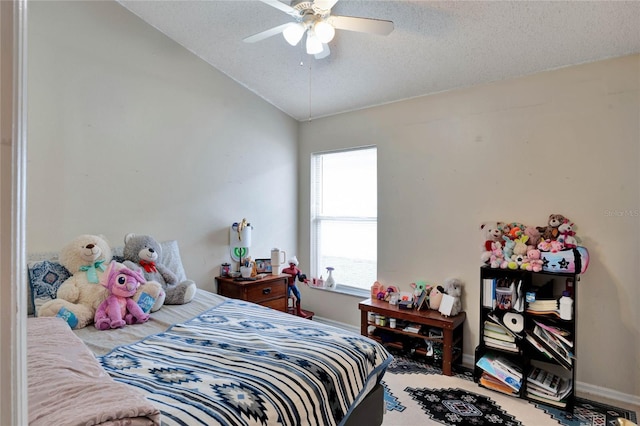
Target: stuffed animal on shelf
(550, 232)
(516, 261)
(497, 259)
(533, 234)
(86, 258)
(119, 308)
(567, 235)
(509, 245)
(492, 233)
(534, 262)
(513, 230)
(521, 245)
(550, 246)
(418, 287)
(453, 287)
(435, 297)
(142, 252)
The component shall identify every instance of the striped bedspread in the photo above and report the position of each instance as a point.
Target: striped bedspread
(244, 364)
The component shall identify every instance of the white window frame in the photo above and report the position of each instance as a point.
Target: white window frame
(316, 219)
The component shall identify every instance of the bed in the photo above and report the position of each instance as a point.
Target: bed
(214, 361)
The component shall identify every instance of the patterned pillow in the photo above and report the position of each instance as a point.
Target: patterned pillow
(172, 260)
(45, 278)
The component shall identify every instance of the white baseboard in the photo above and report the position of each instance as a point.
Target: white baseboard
(337, 324)
(468, 361)
(614, 395)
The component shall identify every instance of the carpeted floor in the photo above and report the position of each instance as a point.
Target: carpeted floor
(417, 394)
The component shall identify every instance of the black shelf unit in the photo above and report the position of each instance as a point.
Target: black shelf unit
(526, 356)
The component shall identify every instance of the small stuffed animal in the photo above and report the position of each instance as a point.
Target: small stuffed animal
(435, 297)
(144, 252)
(119, 308)
(492, 232)
(550, 232)
(516, 261)
(521, 245)
(453, 287)
(550, 246)
(566, 236)
(497, 259)
(533, 262)
(509, 245)
(418, 288)
(513, 230)
(533, 234)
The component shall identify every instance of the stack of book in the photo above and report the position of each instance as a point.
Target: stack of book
(412, 328)
(554, 342)
(500, 373)
(499, 337)
(490, 382)
(548, 388)
(543, 306)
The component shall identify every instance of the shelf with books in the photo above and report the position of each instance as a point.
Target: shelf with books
(548, 386)
(520, 320)
(497, 370)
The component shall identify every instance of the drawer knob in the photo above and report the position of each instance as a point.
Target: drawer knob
(266, 290)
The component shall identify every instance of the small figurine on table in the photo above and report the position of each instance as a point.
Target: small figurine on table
(295, 273)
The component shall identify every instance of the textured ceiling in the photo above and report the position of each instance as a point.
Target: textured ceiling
(435, 46)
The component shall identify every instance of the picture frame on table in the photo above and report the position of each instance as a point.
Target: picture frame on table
(263, 266)
(422, 301)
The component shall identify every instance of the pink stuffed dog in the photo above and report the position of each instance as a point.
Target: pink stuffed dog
(119, 308)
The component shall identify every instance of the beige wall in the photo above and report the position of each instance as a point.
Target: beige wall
(565, 141)
(130, 132)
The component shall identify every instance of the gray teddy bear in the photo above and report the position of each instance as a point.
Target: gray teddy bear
(142, 252)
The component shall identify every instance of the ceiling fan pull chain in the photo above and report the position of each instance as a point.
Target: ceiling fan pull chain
(309, 91)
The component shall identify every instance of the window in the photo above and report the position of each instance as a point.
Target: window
(344, 216)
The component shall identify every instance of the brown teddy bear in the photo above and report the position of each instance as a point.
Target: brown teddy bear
(551, 232)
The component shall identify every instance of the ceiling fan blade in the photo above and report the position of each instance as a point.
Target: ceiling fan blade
(267, 33)
(325, 4)
(325, 52)
(363, 25)
(283, 7)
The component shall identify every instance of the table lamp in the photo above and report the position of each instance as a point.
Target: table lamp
(240, 240)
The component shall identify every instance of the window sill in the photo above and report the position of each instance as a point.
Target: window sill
(347, 291)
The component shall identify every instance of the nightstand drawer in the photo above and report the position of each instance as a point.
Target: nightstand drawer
(266, 291)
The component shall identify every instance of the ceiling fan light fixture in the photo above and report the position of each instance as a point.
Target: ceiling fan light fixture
(293, 33)
(314, 45)
(324, 31)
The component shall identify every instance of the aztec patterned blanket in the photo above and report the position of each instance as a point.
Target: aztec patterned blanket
(244, 364)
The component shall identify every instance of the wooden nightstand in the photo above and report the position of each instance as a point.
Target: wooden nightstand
(270, 291)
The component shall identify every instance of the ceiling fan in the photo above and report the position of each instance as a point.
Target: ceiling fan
(314, 19)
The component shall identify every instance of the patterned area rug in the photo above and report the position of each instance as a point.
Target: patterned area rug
(417, 393)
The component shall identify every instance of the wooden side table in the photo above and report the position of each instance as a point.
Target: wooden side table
(452, 330)
(270, 291)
